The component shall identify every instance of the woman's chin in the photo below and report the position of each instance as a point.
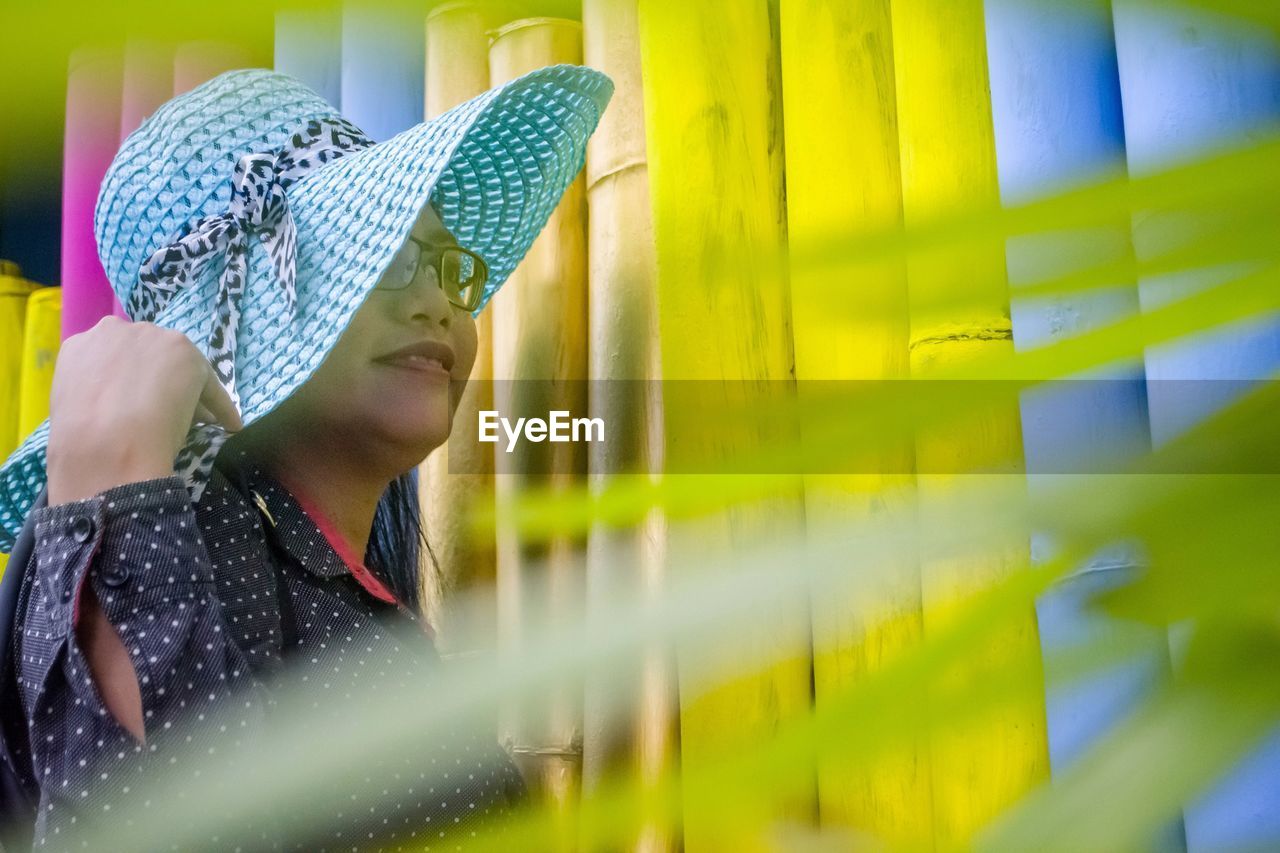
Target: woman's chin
(414, 418)
(419, 435)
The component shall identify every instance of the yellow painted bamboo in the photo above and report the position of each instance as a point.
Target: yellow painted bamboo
(40, 343)
(14, 293)
(714, 137)
(457, 69)
(948, 164)
(457, 62)
(631, 712)
(540, 342)
(843, 178)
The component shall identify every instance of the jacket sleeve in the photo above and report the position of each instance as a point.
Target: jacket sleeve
(139, 547)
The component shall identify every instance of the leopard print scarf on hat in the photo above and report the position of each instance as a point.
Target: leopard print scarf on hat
(258, 207)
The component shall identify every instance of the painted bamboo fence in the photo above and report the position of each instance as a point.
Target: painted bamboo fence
(853, 326)
(949, 163)
(197, 61)
(15, 293)
(630, 714)
(739, 128)
(147, 82)
(31, 332)
(1058, 124)
(382, 67)
(41, 338)
(539, 330)
(713, 97)
(91, 139)
(1192, 82)
(458, 477)
(307, 43)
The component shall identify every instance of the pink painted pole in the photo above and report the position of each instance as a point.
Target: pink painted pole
(91, 138)
(148, 83)
(197, 61)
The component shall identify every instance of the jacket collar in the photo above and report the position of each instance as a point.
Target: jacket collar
(292, 527)
(302, 533)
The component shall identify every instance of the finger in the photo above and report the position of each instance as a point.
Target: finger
(218, 402)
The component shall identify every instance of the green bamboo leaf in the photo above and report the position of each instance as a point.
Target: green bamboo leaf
(1170, 751)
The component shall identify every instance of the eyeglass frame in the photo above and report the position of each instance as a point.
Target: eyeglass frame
(427, 250)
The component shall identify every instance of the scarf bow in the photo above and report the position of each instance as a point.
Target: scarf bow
(259, 207)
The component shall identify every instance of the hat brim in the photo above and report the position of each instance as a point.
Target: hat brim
(494, 168)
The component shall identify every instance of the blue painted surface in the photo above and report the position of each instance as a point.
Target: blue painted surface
(1194, 81)
(1082, 711)
(383, 63)
(1056, 106)
(308, 45)
(1055, 94)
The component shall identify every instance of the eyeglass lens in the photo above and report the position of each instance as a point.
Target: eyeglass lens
(461, 276)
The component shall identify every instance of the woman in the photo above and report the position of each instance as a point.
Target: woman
(341, 276)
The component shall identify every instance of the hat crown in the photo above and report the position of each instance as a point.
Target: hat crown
(178, 164)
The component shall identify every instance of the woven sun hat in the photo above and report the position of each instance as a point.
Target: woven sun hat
(249, 215)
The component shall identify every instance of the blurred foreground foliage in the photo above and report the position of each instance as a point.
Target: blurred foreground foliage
(1202, 511)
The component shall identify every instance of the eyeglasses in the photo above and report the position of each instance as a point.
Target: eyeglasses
(460, 273)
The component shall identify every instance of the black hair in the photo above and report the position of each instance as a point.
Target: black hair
(397, 541)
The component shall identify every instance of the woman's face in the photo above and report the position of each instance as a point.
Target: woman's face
(390, 385)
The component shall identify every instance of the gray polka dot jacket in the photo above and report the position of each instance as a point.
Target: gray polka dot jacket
(213, 602)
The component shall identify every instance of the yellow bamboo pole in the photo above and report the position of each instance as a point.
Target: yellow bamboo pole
(843, 178)
(714, 136)
(948, 164)
(40, 343)
(14, 293)
(457, 63)
(540, 364)
(457, 69)
(631, 712)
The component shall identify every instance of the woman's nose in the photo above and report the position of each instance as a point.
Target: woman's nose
(425, 301)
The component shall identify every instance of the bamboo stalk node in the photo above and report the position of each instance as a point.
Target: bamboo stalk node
(571, 751)
(998, 329)
(625, 166)
(452, 6)
(523, 23)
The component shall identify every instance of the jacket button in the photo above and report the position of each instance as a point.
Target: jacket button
(82, 528)
(116, 575)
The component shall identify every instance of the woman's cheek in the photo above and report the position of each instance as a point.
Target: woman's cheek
(465, 345)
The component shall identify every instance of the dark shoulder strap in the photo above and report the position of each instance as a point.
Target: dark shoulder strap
(15, 570)
(18, 802)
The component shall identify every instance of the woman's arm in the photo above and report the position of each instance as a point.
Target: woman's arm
(123, 397)
(98, 718)
(110, 666)
(122, 643)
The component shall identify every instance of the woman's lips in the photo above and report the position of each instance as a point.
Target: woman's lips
(430, 367)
